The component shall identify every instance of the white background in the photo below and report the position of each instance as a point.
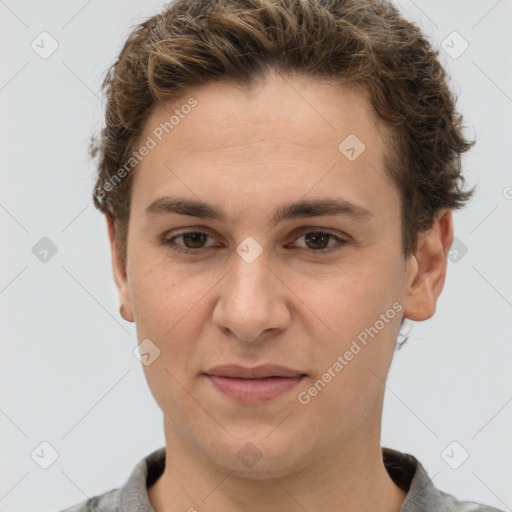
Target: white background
(68, 374)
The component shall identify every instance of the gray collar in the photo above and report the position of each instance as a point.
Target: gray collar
(405, 470)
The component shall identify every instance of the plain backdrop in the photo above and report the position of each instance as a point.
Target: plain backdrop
(68, 374)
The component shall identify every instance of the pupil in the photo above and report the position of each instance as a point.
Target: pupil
(196, 237)
(315, 236)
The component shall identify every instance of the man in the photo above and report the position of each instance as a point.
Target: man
(278, 179)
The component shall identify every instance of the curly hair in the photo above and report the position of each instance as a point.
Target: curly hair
(365, 43)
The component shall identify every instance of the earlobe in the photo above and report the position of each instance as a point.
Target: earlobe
(427, 268)
(119, 273)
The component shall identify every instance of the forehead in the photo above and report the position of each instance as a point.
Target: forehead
(296, 109)
(286, 136)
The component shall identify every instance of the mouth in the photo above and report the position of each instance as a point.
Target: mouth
(256, 385)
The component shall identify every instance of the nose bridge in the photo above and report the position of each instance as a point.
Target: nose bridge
(247, 304)
(250, 274)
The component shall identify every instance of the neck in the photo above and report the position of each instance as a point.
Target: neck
(351, 477)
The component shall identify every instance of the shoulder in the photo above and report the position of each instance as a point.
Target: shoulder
(422, 495)
(450, 503)
(133, 494)
(106, 502)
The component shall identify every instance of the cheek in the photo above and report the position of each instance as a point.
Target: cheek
(162, 297)
(350, 297)
(173, 394)
(167, 312)
(351, 375)
(361, 320)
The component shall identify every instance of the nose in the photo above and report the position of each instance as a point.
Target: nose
(252, 301)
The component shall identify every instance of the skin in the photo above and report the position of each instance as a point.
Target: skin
(248, 152)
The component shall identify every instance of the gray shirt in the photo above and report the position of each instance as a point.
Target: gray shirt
(405, 470)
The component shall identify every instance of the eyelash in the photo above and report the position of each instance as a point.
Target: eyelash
(169, 242)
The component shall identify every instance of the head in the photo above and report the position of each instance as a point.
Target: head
(250, 106)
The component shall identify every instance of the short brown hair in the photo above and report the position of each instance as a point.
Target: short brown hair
(365, 43)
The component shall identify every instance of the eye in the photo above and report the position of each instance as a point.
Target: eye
(317, 240)
(193, 240)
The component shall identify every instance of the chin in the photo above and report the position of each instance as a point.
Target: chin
(263, 469)
(263, 458)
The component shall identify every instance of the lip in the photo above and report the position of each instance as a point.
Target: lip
(254, 385)
(257, 372)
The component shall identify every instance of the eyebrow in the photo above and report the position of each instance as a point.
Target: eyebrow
(301, 209)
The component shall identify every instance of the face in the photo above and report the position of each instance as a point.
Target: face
(253, 280)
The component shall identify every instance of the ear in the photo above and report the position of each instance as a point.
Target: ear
(427, 268)
(119, 271)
